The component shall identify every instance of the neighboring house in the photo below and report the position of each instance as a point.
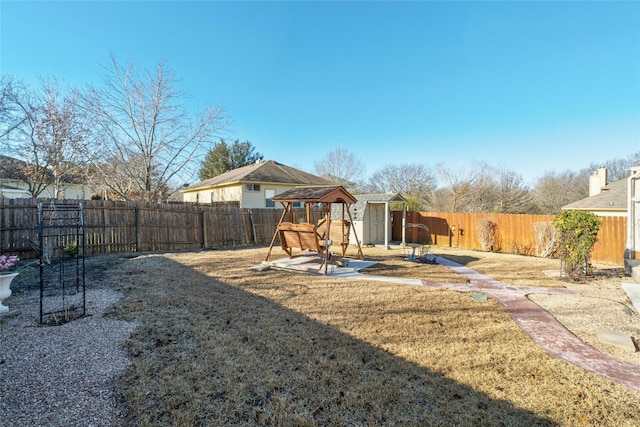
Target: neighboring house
(619, 198)
(15, 189)
(11, 192)
(605, 199)
(252, 186)
(632, 250)
(372, 217)
(14, 186)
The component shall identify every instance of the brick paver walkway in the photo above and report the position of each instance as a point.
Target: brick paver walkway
(542, 327)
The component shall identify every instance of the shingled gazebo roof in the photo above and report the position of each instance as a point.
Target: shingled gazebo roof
(316, 194)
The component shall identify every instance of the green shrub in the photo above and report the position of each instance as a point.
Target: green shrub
(71, 249)
(578, 233)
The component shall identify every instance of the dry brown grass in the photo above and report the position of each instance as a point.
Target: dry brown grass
(498, 266)
(219, 344)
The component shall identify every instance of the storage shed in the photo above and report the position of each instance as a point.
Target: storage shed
(372, 217)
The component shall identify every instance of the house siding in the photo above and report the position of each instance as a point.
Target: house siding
(253, 199)
(230, 193)
(225, 194)
(72, 192)
(257, 199)
(237, 193)
(68, 191)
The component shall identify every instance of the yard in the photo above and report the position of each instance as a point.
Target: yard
(215, 343)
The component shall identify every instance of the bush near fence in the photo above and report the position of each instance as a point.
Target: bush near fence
(113, 227)
(515, 233)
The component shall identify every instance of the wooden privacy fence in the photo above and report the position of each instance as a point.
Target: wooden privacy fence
(139, 227)
(514, 232)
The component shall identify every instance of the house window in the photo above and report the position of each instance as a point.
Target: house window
(268, 195)
(253, 187)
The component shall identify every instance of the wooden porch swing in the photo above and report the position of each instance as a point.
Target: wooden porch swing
(307, 236)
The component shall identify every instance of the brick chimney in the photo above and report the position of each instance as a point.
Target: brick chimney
(597, 181)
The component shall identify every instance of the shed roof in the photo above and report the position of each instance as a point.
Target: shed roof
(380, 198)
(613, 198)
(358, 208)
(268, 171)
(316, 194)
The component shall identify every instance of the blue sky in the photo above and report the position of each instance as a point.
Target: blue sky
(530, 86)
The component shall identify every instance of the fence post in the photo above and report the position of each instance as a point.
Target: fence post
(205, 243)
(137, 225)
(253, 227)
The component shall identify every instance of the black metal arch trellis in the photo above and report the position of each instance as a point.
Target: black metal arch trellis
(62, 279)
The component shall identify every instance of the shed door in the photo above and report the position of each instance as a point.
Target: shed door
(376, 223)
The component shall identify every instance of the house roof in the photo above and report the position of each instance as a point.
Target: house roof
(11, 168)
(268, 171)
(612, 198)
(316, 194)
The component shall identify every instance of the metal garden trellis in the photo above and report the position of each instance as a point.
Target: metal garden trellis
(62, 278)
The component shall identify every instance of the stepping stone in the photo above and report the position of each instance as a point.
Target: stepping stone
(633, 291)
(479, 297)
(617, 339)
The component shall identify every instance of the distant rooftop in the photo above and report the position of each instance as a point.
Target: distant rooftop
(268, 171)
(613, 197)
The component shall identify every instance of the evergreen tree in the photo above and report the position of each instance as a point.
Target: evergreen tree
(224, 157)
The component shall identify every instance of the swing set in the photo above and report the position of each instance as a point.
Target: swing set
(308, 236)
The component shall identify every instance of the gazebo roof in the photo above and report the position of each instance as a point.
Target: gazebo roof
(316, 194)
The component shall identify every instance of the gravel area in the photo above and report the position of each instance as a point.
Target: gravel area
(597, 304)
(61, 375)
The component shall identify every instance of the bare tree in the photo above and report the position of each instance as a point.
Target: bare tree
(124, 187)
(481, 188)
(147, 135)
(459, 184)
(617, 169)
(413, 181)
(50, 136)
(11, 115)
(341, 166)
(556, 189)
(438, 200)
(62, 135)
(484, 195)
(499, 190)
